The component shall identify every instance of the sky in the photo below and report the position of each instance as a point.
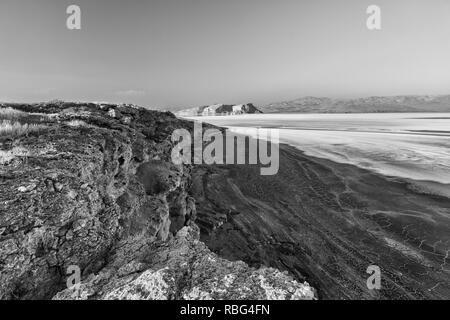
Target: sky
(169, 54)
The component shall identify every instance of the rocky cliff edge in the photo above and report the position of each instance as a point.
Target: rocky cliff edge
(93, 187)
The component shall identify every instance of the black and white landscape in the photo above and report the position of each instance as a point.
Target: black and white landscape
(144, 173)
(355, 190)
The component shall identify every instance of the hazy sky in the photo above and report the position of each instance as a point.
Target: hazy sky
(167, 53)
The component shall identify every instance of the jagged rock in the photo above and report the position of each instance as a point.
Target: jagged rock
(77, 191)
(95, 188)
(184, 268)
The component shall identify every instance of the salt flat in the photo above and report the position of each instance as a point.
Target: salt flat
(408, 145)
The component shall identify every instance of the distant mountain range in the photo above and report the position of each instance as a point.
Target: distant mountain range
(219, 110)
(407, 103)
(362, 105)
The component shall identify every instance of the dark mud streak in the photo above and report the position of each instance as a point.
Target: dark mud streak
(326, 223)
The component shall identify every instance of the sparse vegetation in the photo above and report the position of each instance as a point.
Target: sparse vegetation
(11, 114)
(15, 123)
(16, 129)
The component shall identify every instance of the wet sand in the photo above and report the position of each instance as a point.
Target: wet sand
(325, 223)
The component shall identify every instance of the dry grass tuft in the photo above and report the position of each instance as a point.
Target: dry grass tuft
(16, 129)
(11, 114)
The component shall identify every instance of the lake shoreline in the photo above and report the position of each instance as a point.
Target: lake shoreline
(410, 146)
(325, 223)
